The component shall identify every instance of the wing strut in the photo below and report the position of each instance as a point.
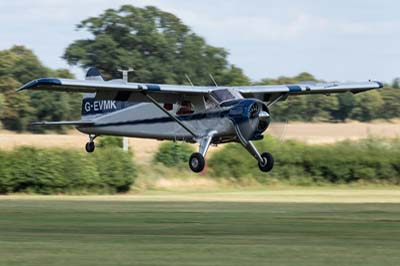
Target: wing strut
(172, 116)
(277, 99)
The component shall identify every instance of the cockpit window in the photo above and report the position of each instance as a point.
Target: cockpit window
(223, 95)
(185, 108)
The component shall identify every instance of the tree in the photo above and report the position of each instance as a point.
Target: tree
(2, 107)
(367, 106)
(235, 77)
(391, 107)
(55, 106)
(17, 110)
(320, 107)
(396, 83)
(346, 105)
(19, 65)
(301, 78)
(155, 43)
(26, 66)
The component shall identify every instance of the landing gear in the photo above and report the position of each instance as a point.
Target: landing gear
(268, 162)
(265, 160)
(197, 162)
(90, 146)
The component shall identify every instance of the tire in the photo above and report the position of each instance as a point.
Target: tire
(90, 147)
(197, 162)
(268, 163)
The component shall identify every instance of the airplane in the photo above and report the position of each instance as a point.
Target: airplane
(197, 114)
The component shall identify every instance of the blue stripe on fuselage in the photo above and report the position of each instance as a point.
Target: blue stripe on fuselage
(192, 117)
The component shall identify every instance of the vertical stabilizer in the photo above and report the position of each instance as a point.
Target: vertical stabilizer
(94, 74)
(88, 98)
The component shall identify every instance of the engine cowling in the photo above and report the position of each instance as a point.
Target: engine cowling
(252, 117)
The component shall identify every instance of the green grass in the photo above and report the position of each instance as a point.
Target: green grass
(59, 232)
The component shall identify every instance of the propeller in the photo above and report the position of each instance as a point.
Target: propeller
(278, 129)
(251, 118)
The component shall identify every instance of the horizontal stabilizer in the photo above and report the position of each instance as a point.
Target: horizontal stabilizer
(63, 123)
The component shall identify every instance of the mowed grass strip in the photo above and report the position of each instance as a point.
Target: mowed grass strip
(62, 232)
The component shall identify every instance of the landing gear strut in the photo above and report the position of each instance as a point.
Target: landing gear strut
(197, 161)
(265, 160)
(90, 146)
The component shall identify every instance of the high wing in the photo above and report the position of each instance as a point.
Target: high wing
(73, 85)
(134, 91)
(313, 88)
(273, 93)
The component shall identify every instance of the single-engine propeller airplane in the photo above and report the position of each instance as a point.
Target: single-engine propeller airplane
(196, 114)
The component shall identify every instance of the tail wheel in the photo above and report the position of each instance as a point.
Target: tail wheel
(268, 162)
(90, 147)
(197, 162)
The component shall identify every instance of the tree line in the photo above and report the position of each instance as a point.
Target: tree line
(161, 49)
(18, 66)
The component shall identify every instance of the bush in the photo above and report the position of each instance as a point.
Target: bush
(173, 153)
(372, 160)
(110, 141)
(50, 171)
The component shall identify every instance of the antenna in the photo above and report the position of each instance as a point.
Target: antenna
(212, 78)
(190, 81)
(125, 73)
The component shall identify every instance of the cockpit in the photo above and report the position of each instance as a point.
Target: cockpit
(215, 100)
(225, 95)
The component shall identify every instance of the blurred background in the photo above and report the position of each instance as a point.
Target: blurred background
(344, 139)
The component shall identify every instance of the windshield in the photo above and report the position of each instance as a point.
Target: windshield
(223, 95)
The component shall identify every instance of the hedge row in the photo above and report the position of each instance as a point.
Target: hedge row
(51, 171)
(371, 160)
(173, 154)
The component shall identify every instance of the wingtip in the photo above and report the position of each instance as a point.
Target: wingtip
(42, 81)
(27, 85)
(380, 84)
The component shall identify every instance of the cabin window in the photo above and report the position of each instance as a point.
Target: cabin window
(185, 108)
(168, 106)
(209, 103)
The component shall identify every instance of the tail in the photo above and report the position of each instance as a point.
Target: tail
(94, 74)
(91, 107)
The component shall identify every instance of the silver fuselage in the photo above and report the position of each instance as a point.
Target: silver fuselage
(145, 120)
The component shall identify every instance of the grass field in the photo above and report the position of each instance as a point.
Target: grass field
(97, 231)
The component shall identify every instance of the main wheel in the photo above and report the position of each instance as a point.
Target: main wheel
(90, 147)
(268, 162)
(197, 162)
